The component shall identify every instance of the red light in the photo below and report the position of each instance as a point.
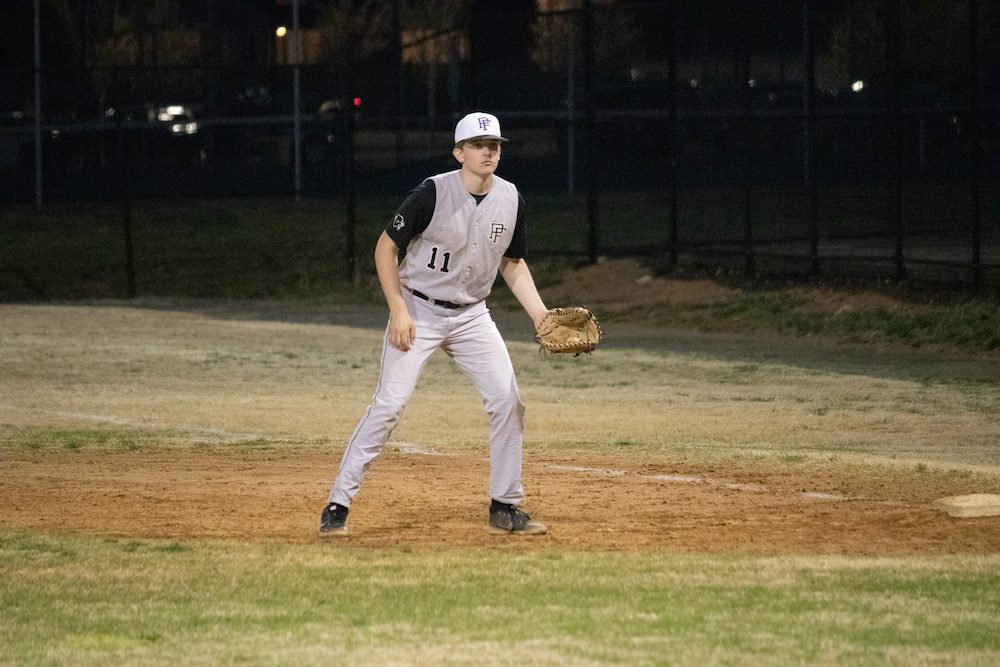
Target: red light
(357, 101)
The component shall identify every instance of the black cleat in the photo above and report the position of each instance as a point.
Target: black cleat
(508, 519)
(333, 523)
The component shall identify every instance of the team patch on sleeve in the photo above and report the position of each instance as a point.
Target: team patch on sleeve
(398, 222)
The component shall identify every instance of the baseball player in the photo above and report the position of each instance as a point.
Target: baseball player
(457, 229)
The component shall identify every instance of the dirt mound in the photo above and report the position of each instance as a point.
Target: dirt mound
(620, 285)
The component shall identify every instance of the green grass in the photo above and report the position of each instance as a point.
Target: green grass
(89, 600)
(970, 324)
(114, 439)
(223, 249)
(956, 321)
(967, 324)
(49, 438)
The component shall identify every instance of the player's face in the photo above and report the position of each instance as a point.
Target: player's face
(480, 156)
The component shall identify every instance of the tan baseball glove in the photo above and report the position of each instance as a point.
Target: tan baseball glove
(568, 331)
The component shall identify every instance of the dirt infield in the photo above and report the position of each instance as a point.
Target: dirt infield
(238, 374)
(427, 500)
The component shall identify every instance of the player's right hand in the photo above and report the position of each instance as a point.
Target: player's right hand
(402, 331)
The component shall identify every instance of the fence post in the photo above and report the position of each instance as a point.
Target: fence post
(472, 79)
(400, 101)
(588, 75)
(124, 192)
(350, 200)
(748, 132)
(38, 104)
(297, 99)
(974, 165)
(129, 248)
(672, 132)
(895, 212)
(574, 6)
(809, 103)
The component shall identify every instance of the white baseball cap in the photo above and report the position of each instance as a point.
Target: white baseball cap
(476, 125)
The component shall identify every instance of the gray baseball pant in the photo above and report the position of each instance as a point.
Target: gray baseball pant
(470, 337)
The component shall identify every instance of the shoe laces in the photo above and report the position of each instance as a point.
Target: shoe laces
(519, 513)
(518, 518)
(334, 512)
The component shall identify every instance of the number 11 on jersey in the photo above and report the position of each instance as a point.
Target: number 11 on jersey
(444, 258)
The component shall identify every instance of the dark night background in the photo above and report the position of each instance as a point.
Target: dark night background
(835, 119)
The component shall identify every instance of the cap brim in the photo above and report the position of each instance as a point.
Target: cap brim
(486, 136)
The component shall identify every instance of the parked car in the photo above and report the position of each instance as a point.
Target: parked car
(144, 134)
(159, 133)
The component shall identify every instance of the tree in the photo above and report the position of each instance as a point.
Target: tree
(935, 44)
(434, 36)
(617, 37)
(62, 57)
(353, 33)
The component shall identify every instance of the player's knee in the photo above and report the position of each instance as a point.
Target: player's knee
(390, 404)
(505, 402)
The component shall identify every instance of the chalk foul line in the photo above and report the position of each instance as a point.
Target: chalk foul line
(410, 448)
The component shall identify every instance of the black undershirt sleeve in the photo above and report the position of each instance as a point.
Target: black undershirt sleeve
(413, 215)
(518, 247)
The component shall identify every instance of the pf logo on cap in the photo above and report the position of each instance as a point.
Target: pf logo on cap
(478, 124)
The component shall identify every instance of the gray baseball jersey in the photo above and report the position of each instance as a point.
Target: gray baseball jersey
(454, 253)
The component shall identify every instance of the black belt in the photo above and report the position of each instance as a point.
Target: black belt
(436, 302)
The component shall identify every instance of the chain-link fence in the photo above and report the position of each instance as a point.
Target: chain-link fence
(846, 138)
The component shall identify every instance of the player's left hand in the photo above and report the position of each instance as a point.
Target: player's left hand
(572, 330)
